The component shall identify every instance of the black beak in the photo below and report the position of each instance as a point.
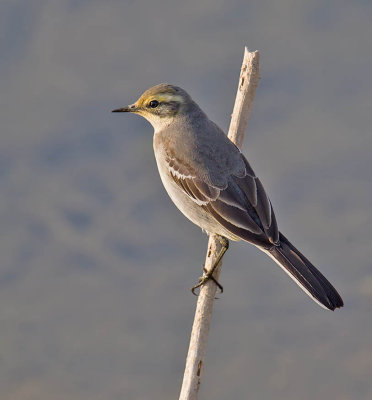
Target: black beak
(130, 108)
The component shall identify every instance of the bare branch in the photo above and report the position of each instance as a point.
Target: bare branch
(248, 82)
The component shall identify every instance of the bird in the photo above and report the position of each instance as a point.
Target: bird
(211, 182)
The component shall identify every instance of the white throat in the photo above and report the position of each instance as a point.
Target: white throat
(157, 122)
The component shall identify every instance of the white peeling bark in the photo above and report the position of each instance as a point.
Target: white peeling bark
(249, 78)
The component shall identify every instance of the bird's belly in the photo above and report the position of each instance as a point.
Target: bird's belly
(194, 212)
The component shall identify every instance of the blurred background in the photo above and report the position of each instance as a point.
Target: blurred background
(96, 262)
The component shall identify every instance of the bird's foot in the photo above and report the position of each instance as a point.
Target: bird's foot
(208, 275)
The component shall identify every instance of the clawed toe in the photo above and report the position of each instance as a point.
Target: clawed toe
(204, 279)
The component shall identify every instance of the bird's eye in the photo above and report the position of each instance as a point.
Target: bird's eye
(153, 103)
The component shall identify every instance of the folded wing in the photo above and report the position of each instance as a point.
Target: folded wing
(238, 202)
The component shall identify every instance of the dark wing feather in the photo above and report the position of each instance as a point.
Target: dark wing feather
(272, 231)
(249, 189)
(197, 194)
(235, 216)
(263, 207)
(233, 196)
(208, 191)
(183, 184)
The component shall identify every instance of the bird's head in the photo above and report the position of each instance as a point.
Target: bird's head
(160, 104)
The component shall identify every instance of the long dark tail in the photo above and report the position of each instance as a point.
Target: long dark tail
(305, 274)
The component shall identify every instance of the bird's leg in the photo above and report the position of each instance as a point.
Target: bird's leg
(208, 275)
